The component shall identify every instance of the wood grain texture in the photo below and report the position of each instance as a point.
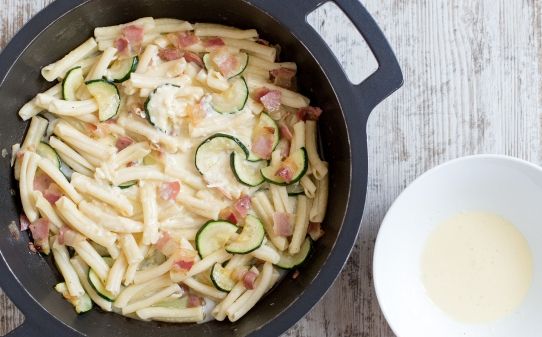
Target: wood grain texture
(472, 85)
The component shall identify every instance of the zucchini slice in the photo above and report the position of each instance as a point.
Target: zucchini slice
(295, 189)
(221, 278)
(121, 70)
(46, 151)
(250, 239)
(160, 104)
(128, 184)
(265, 121)
(99, 287)
(213, 235)
(247, 172)
(81, 304)
(292, 261)
(107, 96)
(214, 146)
(73, 80)
(233, 99)
(297, 163)
(241, 62)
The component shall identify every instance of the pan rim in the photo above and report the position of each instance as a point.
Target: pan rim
(347, 233)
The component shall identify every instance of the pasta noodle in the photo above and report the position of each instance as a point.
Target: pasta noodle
(47, 211)
(157, 160)
(57, 69)
(204, 289)
(110, 222)
(150, 213)
(172, 315)
(114, 279)
(28, 169)
(31, 109)
(318, 209)
(319, 169)
(77, 162)
(147, 302)
(100, 67)
(92, 258)
(83, 142)
(148, 287)
(213, 29)
(300, 227)
(104, 193)
(241, 306)
(62, 261)
(84, 225)
(81, 269)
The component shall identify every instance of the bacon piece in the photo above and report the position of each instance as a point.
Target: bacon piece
(166, 244)
(214, 42)
(262, 143)
(130, 40)
(315, 230)
(52, 193)
(226, 62)
(249, 279)
(193, 57)
(32, 248)
(23, 222)
(62, 234)
(133, 33)
(271, 100)
(186, 259)
(184, 264)
(238, 273)
(284, 147)
(194, 301)
(229, 215)
(283, 77)
(122, 45)
(285, 172)
(295, 274)
(285, 131)
(39, 229)
(169, 190)
(123, 142)
(242, 205)
(258, 93)
(232, 218)
(42, 181)
(309, 113)
(186, 39)
(283, 224)
(170, 54)
(69, 237)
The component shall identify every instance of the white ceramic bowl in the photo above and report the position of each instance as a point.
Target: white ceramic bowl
(502, 185)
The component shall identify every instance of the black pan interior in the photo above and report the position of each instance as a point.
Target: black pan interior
(23, 81)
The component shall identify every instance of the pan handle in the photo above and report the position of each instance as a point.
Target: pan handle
(388, 77)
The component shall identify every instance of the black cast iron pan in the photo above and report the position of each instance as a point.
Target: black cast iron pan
(28, 278)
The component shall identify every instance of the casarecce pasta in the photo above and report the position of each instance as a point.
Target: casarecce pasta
(172, 171)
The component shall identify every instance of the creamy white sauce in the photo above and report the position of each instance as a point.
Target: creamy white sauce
(476, 267)
(207, 310)
(166, 106)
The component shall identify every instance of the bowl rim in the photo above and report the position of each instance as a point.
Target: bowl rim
(385, 222)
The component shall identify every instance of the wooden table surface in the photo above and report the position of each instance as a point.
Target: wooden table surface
(473, 84)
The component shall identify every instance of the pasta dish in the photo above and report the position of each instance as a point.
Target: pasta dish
(172, 171)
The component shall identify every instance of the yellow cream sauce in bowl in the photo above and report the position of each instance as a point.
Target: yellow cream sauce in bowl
(459, 253)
